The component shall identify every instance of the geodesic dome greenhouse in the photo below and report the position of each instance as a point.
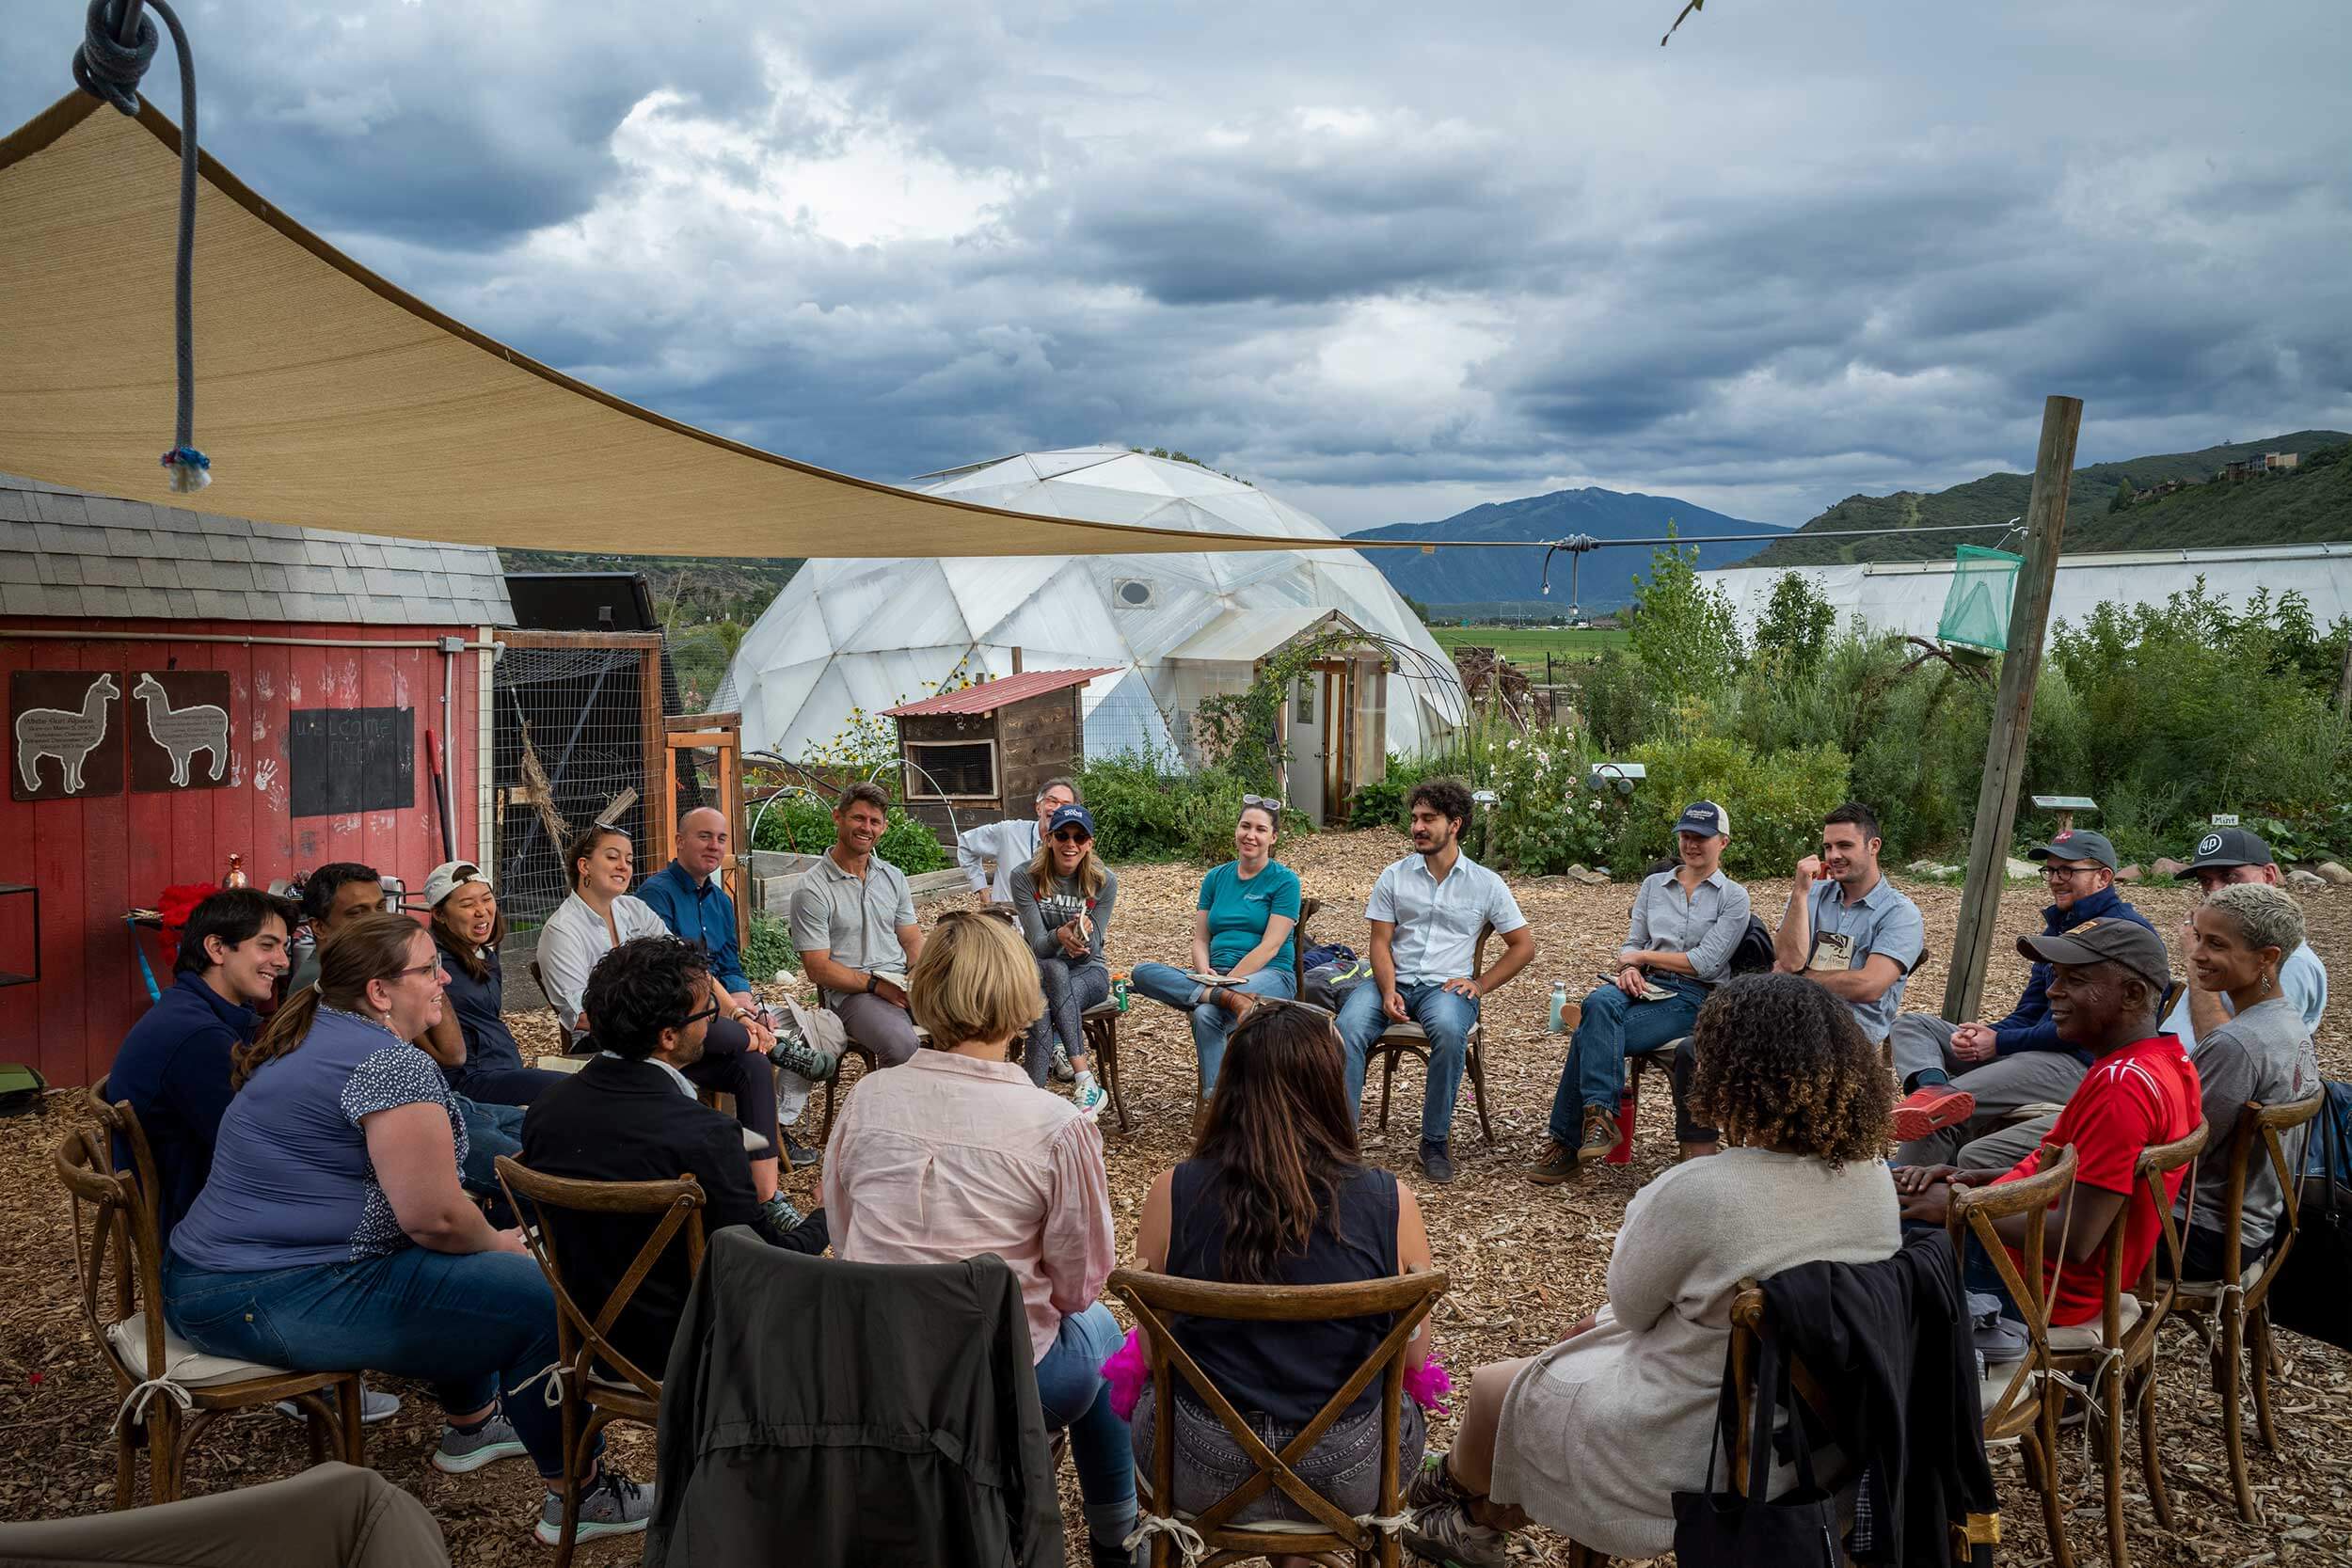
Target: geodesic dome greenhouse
(866, 634)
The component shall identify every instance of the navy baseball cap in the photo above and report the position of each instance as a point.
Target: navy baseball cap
(1704, 817)
(1066, 815)
(2224, 848)
(2075, 844)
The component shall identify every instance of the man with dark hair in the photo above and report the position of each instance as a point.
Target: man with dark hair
(2107, 980)
(630, 1114)
(1426, 912)
(1962, 1079)
(174, 1064)
(331, 894)
(853, 922)
(1847, 929)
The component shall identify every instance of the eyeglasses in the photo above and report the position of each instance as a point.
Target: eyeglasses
(2059, 873)
(712, 1011)
(416, 969)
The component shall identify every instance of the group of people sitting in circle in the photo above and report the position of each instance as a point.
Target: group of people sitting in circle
(316, 1194)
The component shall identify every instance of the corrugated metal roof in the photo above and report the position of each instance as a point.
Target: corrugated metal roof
(71, 554)
(990, 695)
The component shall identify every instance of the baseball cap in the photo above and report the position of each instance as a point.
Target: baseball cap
(448, 877)
(2103, 941)
(1065, 815)
(2225, 847)
(2075, 844)
(1704, 817)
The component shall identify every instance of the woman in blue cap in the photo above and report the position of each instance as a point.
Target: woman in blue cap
(1063, 900)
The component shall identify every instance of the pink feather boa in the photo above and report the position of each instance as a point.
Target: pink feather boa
(1129, 1372)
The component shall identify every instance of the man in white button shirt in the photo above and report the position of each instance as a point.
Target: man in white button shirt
(1012, 843)
(1426, 912)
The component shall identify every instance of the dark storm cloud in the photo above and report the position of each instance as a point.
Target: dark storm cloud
(1380, 262)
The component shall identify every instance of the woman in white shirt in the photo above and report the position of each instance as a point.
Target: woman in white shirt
(600, 917)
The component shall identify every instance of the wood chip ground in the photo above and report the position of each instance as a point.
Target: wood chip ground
(1525, 1261)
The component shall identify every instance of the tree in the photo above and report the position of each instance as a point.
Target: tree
(1419, 609)
(2124, 495)
(1796, 625)
(1682, 632)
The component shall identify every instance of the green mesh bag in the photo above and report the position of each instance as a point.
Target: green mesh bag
(1975, 609)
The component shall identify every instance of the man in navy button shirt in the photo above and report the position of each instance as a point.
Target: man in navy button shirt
(174, 1064)
(687, 894)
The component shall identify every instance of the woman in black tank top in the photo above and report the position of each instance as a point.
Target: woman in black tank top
(1276, 1194)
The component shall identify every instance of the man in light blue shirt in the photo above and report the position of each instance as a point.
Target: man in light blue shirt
(1847, 929)
(1426, 914)
(2223, 856)
(1012, 843)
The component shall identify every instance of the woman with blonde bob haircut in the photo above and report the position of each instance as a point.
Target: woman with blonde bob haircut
(956, 1153)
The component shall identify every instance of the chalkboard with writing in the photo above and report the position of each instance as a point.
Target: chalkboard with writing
(342, 760)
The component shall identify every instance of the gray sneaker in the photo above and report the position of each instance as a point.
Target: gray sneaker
(375, 1406)
(1447, 1535)
(463, 1452)
(1063, 1072)
(611, 1505)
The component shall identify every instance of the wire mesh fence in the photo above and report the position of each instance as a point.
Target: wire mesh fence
(570, 747)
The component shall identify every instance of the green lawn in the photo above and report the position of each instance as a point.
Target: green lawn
(1526, 646)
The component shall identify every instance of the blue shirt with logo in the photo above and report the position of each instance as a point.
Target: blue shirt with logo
(1238, 909)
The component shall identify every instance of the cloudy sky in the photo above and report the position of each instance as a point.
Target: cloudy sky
(1387, 268)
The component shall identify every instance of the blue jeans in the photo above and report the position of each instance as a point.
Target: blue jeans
(1211, 1023)
(1615, 1027)
(1445, 1016)
(1070, 1389)
(474, 1326)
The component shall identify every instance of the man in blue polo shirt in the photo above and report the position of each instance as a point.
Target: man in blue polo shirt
(1960, 1081)
(174, 1064)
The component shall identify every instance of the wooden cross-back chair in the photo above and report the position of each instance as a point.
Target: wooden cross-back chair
(597, 1384)
(167, 1392)
(2021, 1404)
(1400, 1041)
(2236, 1306)
(2113, 1361)
(1154, 1297)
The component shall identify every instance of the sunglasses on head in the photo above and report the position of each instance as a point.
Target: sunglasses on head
(1264, 802)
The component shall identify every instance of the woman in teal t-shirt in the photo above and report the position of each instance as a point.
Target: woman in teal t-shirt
(1240, 941)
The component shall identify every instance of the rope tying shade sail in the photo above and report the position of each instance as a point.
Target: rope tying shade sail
(337, 401)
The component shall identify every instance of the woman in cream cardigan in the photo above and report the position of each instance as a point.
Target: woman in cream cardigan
(1594, 1435)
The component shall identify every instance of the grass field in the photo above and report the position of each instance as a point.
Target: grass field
(1526, 646)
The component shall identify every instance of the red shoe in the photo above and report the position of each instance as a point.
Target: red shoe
(1930, 1109)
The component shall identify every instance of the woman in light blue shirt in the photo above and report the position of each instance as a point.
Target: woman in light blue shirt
(1242, 937)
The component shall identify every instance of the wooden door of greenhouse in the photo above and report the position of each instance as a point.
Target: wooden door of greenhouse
(701, 762)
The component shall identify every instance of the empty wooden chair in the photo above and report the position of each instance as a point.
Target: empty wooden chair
(597, 1383)
(1154, 1298)
(2111, 1363)
(2021, 1402)
(167, 1390)
(2236, 1306)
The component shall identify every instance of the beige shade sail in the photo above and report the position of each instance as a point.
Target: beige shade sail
(330, 398)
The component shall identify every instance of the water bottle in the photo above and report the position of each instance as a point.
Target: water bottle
(1559, 1007)
(1118, 989)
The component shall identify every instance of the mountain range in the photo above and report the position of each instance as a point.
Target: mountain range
(2306, 504)
(1604, 580)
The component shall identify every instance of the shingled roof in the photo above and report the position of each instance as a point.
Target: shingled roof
(67, 553)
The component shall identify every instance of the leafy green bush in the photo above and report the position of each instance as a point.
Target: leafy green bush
(1620, 708)
(1150, 808)
(1682, 632)
(1381, 803)
(1776, 800)
(798, 824)
(770, 952)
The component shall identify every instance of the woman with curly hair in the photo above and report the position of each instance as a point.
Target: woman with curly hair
(1593, 1437)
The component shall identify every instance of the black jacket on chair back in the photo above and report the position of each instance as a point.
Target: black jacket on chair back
(830, 1414)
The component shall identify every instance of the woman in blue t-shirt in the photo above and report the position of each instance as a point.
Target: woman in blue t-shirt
(332, 1232)
(1241, 939)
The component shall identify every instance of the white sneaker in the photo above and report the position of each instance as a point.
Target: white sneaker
(1089, 1096)
(1063, 1072)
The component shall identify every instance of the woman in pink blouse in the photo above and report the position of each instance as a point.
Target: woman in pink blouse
(958, 1153)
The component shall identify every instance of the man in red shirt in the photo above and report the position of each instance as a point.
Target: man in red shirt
(2108, 981)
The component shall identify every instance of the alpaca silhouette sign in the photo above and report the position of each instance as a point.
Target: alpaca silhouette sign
(65, 734)
(179, 729)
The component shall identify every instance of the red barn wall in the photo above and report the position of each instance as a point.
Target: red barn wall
(94, 859)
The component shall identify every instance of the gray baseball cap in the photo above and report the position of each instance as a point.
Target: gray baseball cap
(2223, 847)
(2075, 844)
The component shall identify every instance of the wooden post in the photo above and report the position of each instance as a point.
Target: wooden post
(2005, 751)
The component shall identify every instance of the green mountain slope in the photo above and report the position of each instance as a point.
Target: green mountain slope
(2299, 506)
(686, 589)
